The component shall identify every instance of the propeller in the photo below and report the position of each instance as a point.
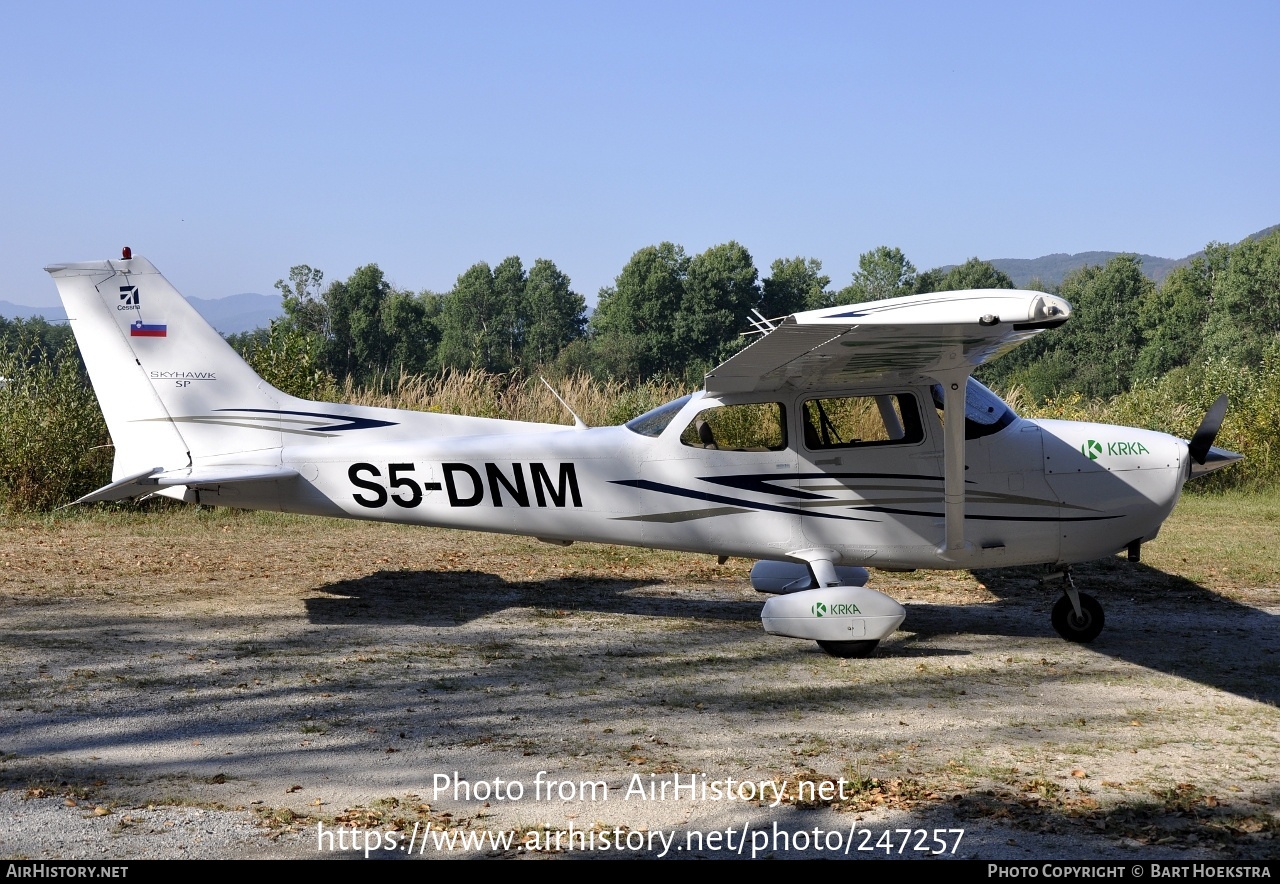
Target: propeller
(1202, 441)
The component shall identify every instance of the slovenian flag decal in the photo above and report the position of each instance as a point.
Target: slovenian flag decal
(141, 330)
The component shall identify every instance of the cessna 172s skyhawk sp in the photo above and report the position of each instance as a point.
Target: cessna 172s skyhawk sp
(841, 438)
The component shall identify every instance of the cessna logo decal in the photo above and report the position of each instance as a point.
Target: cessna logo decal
(1093, 449)
(128, 298)
(821, 609)
(465, 485)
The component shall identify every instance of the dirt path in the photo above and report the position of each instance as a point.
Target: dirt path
(272, 673)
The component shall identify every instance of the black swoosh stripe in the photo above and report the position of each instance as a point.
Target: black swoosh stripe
(352, 423)
(648, 485)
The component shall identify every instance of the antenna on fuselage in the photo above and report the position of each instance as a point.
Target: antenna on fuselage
(577, 421)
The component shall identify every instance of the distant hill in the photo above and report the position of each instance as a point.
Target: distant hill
(1052, 269)
(229, 315)
(239, 313)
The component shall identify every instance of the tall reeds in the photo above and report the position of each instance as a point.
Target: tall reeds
(54, 445)
(513, 397)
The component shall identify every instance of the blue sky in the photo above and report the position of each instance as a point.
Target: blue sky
(229, 141)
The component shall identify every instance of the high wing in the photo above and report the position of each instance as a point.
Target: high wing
(894, 340)
(940, 337)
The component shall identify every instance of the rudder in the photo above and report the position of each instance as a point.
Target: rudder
(173, 392)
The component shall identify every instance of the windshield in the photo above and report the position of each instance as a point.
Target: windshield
(985, 413)
(652, 423)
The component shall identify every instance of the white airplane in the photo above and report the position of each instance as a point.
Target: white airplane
(841, 438)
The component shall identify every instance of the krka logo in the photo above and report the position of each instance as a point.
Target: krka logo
(1093, 449)
(820, 609)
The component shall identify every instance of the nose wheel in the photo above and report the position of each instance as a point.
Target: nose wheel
(1077, 616)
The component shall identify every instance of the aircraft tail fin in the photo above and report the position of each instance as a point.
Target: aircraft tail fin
(172, 390)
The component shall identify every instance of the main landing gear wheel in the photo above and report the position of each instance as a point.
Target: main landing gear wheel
(1084, 627)
(849, 649)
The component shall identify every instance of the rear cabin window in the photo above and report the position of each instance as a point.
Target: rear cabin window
(853, 421)
(756, 427)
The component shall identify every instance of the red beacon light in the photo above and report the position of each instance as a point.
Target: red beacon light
(126, 253)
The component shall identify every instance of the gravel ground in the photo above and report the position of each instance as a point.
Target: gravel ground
(191, 685)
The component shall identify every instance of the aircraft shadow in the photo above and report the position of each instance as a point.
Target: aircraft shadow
(1160, 621)
(1147, 610)
(452, 598)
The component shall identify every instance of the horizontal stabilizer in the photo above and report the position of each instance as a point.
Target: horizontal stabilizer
(150, 481)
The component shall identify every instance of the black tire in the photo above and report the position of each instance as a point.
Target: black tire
(849, 649)
(1078, 629)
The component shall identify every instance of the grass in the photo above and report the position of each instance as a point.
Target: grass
(1227, 540)
(670, 663)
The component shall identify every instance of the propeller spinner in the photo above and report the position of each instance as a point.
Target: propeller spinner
(1205, 456)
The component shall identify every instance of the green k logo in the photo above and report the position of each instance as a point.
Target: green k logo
(1091, 449)
(818, 609)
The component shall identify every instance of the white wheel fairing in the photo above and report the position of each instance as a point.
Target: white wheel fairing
(833, 613)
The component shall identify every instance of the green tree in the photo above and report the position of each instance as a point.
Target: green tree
(974, 274)
(509, 282)
(795, 284)
(1096, 352)
(720, 288)
(36, 338)
(246, 342)
(883, 272)
(1244, 317)
(291, 360)
(1173, 319)
(357, 346)
(1104, 335)
(554, 314)
(929, 281)
(361, 328)
(411, 332)
(304, 306)
(633, 327)
(474, 331)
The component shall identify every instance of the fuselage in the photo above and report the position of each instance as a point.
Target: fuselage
(759, 476)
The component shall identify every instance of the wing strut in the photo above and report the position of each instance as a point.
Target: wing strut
(954, 385)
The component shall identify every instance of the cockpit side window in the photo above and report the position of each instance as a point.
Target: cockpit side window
(853, 421)
(653, 422)
(985, 413)
(760, 426)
